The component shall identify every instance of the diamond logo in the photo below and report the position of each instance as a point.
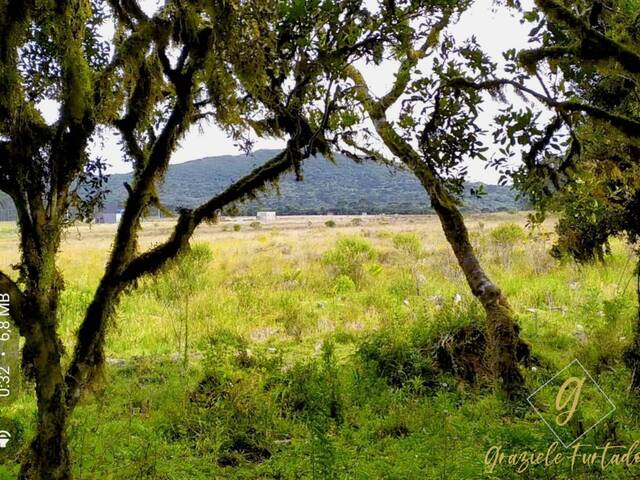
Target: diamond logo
(571, 403)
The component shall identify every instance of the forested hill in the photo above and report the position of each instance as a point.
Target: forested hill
(342, 188)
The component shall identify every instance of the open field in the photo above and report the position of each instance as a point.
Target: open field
(300, 349)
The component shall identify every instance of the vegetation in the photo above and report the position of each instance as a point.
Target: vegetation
(55, 52)
(343, 188)
(367, 332)
(358, 389)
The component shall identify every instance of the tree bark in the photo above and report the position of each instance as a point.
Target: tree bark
(632, 354)
(48, 456)
(502, 328)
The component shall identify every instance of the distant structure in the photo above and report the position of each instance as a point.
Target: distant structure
(266, 216)
(109, 214)
(8, 215)
(7, 209)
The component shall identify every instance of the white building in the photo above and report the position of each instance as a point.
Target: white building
(109, 214)
(266, 216)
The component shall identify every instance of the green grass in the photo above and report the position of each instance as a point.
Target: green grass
(281, 332)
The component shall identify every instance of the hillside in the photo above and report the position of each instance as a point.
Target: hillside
(342, 188)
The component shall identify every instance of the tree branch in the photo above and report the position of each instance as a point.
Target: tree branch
(595, 44)
(188, 221)
(398, 145)
(627, 126)
(403, 75)
(530, 58)
(127, 11)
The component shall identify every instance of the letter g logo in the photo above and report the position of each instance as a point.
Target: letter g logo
(569, 393)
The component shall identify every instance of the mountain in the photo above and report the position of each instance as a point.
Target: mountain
(343, 187)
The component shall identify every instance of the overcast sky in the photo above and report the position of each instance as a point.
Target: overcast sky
(492, 27)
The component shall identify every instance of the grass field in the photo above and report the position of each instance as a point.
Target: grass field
(301, 349)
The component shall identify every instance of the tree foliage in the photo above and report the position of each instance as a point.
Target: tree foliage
(261, 66)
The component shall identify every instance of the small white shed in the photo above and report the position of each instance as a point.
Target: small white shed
(266, 216)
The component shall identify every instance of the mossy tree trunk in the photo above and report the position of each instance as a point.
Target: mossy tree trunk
(36, 316)
(502, 328)
(48, 456)
(632, 354)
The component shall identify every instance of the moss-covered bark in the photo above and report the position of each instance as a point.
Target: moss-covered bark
(632, 354)
(502, 328)
(47, 458)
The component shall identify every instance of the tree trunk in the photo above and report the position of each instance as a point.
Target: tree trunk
(502, 328)
(632, 354)
(48, 456)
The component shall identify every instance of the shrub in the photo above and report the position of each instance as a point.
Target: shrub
(312, 392)
(413, 357)
(343, 284)
(230, 415)
(255, 225)
(295, 315)
(508, 234)
(408, 243)
(237, 228)
(180, 277)
(330, 223)
(249, 413)
(505, 237)
(349, 257)
(396, 359)
(312, 389)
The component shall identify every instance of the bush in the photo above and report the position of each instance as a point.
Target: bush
(255, 225)
(312, 389)
(343, 284)
(231, 411)
(312, 392)
(396, 359)
(505, 237)
(508, 234)
(295, 315)
(237, 228)
(180, 277)
(330, 223)
(408, 243)
(414, 356)
(349, 257)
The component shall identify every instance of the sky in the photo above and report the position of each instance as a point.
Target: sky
(490, 25)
